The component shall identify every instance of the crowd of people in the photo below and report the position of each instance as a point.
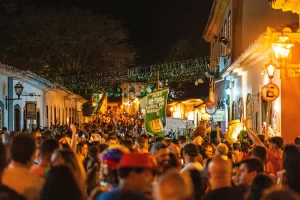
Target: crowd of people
(113, 158)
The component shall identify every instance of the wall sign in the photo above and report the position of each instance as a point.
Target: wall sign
(219, 116)
(31, 110)
(210, 104)
(211, 110)
(270, 92)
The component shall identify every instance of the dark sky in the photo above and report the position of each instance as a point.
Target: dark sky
(155, 25)
(152, 25)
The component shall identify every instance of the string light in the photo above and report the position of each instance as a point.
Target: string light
(181, 71)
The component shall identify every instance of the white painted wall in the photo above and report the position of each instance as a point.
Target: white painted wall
(3, 93)
(67, 108)
(251, 81)
(28, 88)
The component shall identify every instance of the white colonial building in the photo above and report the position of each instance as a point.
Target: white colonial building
(241, 34)
(46, 104)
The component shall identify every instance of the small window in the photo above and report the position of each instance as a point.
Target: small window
(225, 35)
(25, 121)
(58, 116)
(55, 122)
(47, 112)
(220, 35)
(229, 25)
(63, 116)
(225, 29)
(51, 122)
(66, 116)
(1, 120)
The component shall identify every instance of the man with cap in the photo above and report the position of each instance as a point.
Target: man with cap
(190, 155)
(136, 172)
(95, 138)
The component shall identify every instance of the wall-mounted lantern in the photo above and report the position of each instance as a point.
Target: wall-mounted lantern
(18, 90)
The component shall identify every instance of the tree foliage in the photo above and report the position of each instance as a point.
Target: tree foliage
(60, 43)
(181, 50)
(66, 46)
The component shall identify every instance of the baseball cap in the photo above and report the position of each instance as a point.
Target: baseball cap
(136, 160)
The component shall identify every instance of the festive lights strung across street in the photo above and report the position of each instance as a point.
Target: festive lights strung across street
(179, 71)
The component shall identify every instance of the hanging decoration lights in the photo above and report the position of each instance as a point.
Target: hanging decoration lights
(181, 71)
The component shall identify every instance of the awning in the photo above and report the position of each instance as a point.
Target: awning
(219, 116)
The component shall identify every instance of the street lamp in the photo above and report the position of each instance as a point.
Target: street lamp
(18, 90)
(228, 88)
(282, 47)
(228, 91)
(271, 69)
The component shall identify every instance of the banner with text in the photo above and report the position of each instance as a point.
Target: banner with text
(31, 110)
(155, 119)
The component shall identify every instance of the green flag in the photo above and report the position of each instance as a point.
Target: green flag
(156, 105)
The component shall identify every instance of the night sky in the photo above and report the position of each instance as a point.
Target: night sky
(152, 25)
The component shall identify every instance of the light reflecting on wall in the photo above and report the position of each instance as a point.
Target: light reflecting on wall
(190, 115)
(245, 88)
(176, 114)
(236, 70)
(266, 79)
(236, 91)
(277, 105)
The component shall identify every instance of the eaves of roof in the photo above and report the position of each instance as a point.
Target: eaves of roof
(215, 19)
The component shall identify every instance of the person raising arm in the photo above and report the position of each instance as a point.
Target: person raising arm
(274, 152)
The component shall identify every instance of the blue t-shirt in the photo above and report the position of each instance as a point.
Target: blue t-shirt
(119, 195)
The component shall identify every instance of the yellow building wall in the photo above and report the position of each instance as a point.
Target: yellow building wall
(290, 96)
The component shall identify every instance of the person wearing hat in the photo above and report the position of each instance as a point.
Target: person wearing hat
(190, 155)
(136, 172)
(95, 139)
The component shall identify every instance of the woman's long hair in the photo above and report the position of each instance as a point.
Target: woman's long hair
(60, 185)
(291, 164)
(71, 160)
(260, 183)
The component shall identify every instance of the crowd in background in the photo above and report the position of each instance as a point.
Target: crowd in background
(114, 158)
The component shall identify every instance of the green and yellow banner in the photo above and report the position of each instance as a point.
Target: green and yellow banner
(156, 105)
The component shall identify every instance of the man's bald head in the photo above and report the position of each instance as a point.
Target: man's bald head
(168, 184)
(219, 171)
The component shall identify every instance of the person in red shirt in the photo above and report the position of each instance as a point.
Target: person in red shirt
(274, 152)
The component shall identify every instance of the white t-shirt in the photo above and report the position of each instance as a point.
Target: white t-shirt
(191, 166)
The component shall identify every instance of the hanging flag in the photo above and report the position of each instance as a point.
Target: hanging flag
(155, 118)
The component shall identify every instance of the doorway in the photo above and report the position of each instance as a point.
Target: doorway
(17, 118)
(38, 120)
